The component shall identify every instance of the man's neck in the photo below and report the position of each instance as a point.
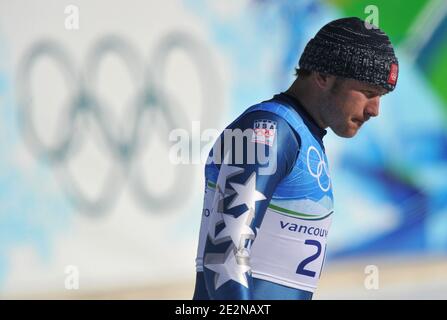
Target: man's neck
(304, 95)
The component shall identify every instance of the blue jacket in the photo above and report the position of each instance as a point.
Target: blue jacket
(267, 208)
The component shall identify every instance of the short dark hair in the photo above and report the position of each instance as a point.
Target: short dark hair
(302, 73)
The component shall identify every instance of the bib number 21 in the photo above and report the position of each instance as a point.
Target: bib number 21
(301, 269)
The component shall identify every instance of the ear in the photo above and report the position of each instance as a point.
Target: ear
(323, 81)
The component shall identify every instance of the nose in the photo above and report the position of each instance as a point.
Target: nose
(372, 107)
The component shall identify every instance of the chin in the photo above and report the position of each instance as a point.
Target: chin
(346, 133)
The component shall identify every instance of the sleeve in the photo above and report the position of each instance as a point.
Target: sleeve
(252, 155)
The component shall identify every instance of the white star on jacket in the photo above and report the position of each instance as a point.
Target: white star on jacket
(229, 270)
(237, 228)
(226, 171)
(246, 193)
(222, 192)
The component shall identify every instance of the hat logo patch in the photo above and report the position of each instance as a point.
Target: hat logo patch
(392, 78)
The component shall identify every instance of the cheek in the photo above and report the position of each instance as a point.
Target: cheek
(342, 108)
(352, 104)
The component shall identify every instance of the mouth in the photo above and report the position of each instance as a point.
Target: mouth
(358, 122)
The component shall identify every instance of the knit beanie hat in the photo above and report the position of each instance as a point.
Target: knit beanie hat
(352, 48)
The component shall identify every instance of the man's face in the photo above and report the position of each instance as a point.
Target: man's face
(350, 103)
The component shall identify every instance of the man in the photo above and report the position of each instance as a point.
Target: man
(265, 221)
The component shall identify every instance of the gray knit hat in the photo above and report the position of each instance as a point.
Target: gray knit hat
(352, 48)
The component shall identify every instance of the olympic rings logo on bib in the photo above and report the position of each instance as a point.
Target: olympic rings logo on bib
(321, 166)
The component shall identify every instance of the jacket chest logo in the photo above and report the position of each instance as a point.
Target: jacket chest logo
(318, 168)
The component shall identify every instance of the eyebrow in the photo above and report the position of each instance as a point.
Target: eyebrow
(377, 90)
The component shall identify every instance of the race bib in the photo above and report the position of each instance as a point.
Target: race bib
(290, 251)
